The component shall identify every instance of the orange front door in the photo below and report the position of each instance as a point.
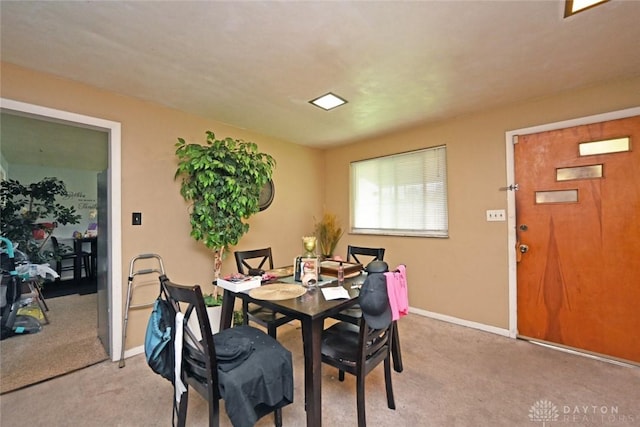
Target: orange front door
(578, 227)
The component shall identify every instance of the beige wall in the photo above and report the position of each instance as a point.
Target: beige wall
(464, 276)
(149, 133)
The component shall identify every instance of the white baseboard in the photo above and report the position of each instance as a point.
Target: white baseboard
(131, 352)
(461, 322)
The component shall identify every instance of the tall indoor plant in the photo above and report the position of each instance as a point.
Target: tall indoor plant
(222, 180)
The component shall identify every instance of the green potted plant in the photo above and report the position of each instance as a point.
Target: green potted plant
(214, 310)
(29, 213)
(222, 180)
(211, 300)
(328, 232)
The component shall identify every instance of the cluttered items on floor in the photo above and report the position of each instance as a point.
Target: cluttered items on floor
(22, 307)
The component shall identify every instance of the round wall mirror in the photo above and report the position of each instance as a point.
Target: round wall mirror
(266, 195)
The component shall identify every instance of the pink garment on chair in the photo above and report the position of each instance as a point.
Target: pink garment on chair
(398, 292)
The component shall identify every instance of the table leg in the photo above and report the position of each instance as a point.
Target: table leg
(77, 261)
(77, 268)
(312, 342)
(228, 301)
(94, 258)
(395, 349)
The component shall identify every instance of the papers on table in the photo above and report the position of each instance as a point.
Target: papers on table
(239, 283)
(335, 292)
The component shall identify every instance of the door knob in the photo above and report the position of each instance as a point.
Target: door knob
(523, 248)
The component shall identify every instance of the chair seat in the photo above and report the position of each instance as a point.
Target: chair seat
(86, 263)
(73, 255)
(61, 255)
(267, 371)
(265, 315)
(352, 315)
(340, 342)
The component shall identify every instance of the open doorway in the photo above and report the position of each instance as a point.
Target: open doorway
(110, 275)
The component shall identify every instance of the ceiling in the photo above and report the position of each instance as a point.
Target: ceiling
(255, 65)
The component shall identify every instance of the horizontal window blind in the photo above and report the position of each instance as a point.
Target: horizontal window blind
(401, 194)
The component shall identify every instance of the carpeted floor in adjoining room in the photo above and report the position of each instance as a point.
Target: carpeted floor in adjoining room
(68, 343)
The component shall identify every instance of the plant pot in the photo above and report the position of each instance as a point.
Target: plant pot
(214, 314)
(214, 318)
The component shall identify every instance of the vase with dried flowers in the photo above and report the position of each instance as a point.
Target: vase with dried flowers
(328, 232)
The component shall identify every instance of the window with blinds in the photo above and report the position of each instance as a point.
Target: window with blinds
(402, 194)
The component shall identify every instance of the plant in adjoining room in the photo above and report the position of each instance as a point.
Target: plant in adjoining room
(30, 211)
(222, 180)
(329, 232)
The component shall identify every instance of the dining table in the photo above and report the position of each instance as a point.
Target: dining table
(311, 309)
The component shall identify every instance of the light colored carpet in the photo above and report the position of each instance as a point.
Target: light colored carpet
(453, 376)
(66, 344)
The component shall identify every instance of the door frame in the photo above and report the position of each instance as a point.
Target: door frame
(510, 138)
(114, 255)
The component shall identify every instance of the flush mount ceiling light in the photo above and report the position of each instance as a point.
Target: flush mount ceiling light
(572, 7)
(328, 101)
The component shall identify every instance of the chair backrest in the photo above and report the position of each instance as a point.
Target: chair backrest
(356, 349)
(199, 366)
(63, 250)
(374, 345)
(56, 245)
(253, 260)
(363, 255)
(376, 325)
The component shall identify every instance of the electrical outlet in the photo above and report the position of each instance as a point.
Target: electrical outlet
(496, 215)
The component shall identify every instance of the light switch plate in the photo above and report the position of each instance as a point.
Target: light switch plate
(496, 215)
(136, 218)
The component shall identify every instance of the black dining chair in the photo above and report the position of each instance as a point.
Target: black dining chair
(358, 349)
(365, 256)
(249, 370)
(253, 262)
(60, 256)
